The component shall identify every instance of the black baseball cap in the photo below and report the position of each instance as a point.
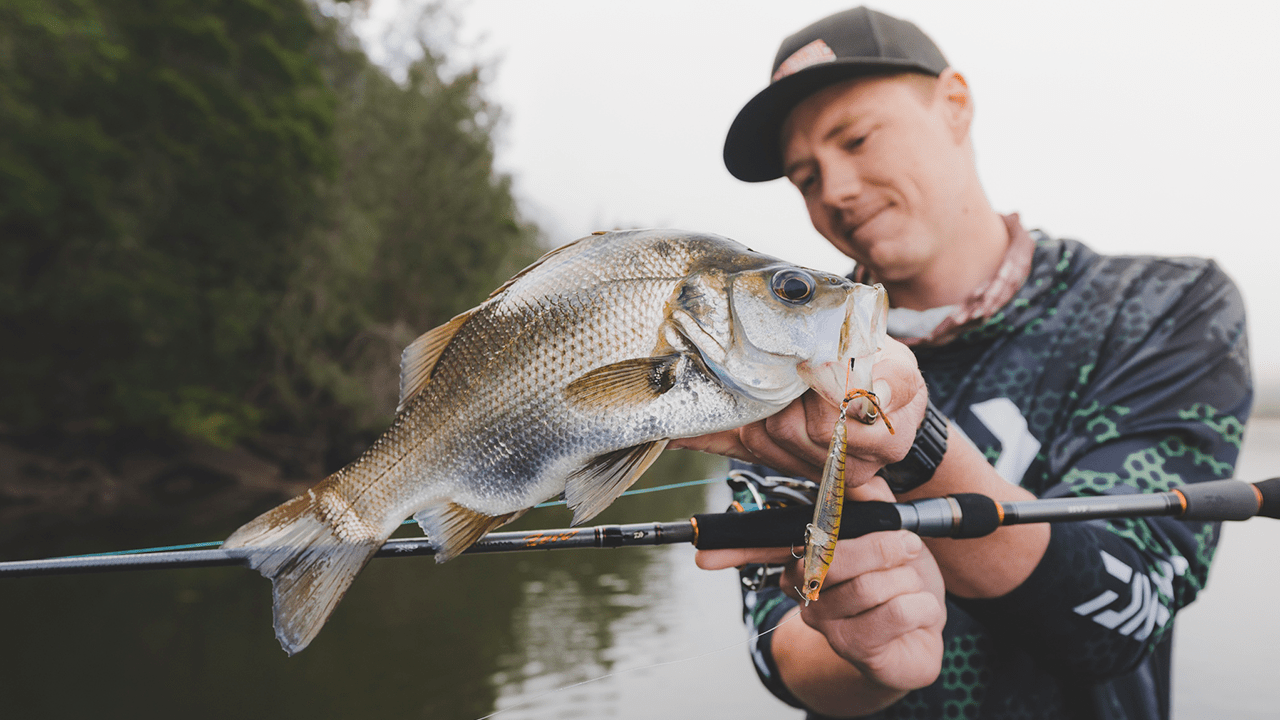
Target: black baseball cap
(849, 44)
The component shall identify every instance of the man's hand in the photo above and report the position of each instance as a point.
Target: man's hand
(874, 633)
(795, 440)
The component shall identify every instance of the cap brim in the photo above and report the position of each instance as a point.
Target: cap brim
(752, 148)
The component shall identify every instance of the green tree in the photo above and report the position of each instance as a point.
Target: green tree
(220, 220)
(420, 228)
(158, 160)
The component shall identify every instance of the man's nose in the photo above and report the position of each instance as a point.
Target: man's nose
(841, 183)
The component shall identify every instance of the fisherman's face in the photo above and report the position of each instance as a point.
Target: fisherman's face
(876, 160)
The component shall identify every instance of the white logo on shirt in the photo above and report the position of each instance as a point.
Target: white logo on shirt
(1018, 447)
(1144, 611)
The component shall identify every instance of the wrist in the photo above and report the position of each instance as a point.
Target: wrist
(821, 680)
(924, 457)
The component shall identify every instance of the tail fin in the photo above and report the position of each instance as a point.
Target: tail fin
(310, 562)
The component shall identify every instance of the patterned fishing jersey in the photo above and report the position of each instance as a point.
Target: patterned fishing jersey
(1103, 375)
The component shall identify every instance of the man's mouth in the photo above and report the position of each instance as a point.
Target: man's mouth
(858, 219)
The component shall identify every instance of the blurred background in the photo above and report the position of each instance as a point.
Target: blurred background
(221, 222)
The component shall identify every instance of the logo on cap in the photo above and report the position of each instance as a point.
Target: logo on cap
(812, 54)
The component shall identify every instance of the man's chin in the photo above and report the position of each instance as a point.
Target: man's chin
(890, 260)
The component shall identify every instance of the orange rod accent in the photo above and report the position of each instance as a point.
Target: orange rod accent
(1182, 500)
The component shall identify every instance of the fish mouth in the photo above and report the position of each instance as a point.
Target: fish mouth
(835, 379)
(861, 335)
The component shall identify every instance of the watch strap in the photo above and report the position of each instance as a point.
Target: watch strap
(922, 460)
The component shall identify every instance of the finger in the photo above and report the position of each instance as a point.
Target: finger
(874, 551)
(876, 488)
(876, 628)
(804, 427)
(889, 438)
(869, 553)
(898, 384)
(760, 442)
(866, 591)
(734, 557)
(912, 660)
(726, 443)
(820, 420)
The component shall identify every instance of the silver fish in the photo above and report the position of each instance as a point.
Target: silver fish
(571, 378)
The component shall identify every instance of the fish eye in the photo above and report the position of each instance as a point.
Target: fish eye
(793, 286)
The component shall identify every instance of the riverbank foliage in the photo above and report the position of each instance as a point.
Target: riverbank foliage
(221, 221)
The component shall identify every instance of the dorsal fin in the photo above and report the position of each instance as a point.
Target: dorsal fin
(419, 358)
(532, 266)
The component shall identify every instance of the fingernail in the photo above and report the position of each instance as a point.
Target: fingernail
(912, 544)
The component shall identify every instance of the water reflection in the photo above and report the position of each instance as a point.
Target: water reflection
(411, 639)
(566, 630)
(414, 639)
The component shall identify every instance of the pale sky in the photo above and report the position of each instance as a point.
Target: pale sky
(1137, 127)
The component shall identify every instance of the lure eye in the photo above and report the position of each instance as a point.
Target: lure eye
(793, 286)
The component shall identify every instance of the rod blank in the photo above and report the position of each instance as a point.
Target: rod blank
(959, 516)
(600, 536)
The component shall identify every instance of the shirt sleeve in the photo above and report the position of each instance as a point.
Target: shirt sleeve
(1156, 409)
(764, 605)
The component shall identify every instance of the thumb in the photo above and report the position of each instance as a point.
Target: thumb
(874, 489)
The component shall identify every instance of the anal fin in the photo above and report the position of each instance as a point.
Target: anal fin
(594, 487)
(452, 528)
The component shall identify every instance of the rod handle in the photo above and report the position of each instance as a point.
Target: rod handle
(784, 527)
(1227, 499)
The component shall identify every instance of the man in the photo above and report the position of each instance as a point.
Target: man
(1044, 369)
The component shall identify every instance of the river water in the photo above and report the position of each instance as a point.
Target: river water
(416, 640)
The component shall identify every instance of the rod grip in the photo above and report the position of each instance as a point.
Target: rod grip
(784, 527)
(1270, 490)
(1220, 500)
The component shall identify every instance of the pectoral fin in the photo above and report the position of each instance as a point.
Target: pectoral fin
(625, 384)
(596, 486)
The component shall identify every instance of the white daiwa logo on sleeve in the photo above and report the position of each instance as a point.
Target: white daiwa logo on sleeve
(1144, 611)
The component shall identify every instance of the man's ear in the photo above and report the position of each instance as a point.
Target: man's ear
(957, 102)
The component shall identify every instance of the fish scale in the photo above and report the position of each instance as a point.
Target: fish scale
(570, 378)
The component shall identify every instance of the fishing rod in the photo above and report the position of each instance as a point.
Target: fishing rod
(963, 515)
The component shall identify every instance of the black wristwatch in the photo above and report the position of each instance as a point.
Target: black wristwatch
(926, 453)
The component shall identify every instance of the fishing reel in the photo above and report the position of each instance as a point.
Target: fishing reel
(754, 490)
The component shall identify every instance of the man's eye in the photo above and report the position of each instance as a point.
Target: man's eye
(855, 142)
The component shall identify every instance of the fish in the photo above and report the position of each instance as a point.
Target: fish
(569, 380)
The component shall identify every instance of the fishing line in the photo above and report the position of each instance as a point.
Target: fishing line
(410, 521)
(553, 691)
(641, 491)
